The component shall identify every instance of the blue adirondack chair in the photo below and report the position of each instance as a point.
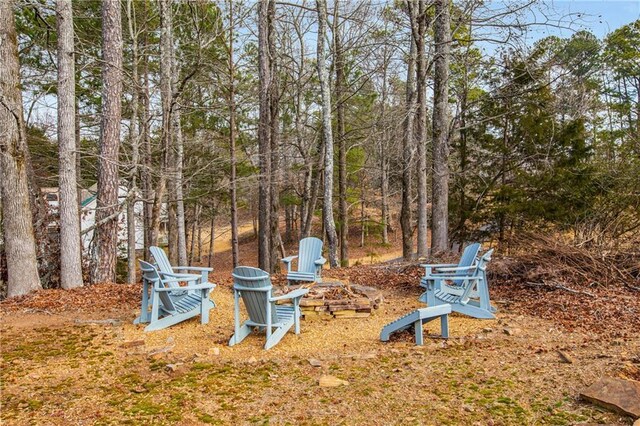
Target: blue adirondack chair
(310, 261)
(167, 308)
(164, 266)
(254, 286)
(473, 299)
(430, 281)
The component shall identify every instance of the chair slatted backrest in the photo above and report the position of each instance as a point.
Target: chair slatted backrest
(310, 250)
(161, 259)
(255, 301)
(150, 273)
(480, 272)
(469, 256)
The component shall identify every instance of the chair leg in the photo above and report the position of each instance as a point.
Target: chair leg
(444, 326)
(417, 328)
(268, 315)
(296, 315)
(204, 308)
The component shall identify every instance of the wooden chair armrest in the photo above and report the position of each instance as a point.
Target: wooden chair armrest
(291, 295)
(189, 287)
(179, 277)
(193, 268)
(456, 269)
(439, 265)
(288, 259)
(455, 277)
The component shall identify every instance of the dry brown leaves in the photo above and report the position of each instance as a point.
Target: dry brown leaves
(568, 285)
(93, 298)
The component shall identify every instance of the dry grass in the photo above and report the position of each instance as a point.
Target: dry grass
(55, 371)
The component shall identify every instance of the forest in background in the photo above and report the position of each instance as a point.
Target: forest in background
(432, 119)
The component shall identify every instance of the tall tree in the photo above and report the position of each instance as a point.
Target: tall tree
(19, 240)
(419, 29)
(327, 133)
(105, 249)
(70, 250)
(440, 179)
(407, 150)
(181, 229)
(166, 95)
(233, 198)
(265, 38)
(274, 139)
(134, 140)
(339, 65)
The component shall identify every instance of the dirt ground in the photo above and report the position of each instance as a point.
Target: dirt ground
(75, 358)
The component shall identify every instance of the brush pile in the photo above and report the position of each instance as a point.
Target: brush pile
(544, 260)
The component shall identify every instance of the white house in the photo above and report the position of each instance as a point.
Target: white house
(88, 217)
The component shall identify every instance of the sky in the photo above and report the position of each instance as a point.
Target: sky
(561, 18)
(598, 16)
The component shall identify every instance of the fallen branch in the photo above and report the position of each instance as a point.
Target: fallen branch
(559, 287)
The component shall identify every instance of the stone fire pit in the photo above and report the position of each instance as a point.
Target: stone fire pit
(336, 299)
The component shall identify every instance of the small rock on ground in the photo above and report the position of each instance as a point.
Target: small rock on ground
(327, 381)
(511, 331)
(615, 394)
(314, 362)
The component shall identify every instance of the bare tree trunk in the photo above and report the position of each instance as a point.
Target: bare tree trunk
(178, 166)
(313, 201)
(274, 101)
(192, 242)
(199, 231)
(19, 240)
(363, 224)
(172, 219)
(166, 72)
(264, 134)
(384, 161)
(235, 254)
(70, 249)
(147, 181)
(134, 139)
(407, 157)
(181, 227)
(440, 182)
(343, 213)
(419, 29)
(107, 198)
(323, 77)
(212, 233)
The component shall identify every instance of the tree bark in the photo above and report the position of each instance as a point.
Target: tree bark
(166, 95)
(440, 180)
(177, 148)
(106, 245)
(343, 213)
(323, 77)
(419, 29)
(235, 254)
(212, 234)
(19, 240)
(180, 217)
(147, 181)
(274, 127)
(384, 141)
(407, 156)
(264, 136)
(70, 248)
(134, 140)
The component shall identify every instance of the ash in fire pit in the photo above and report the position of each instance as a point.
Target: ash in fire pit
(335, 299)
